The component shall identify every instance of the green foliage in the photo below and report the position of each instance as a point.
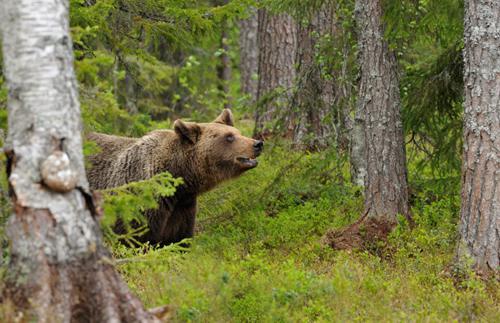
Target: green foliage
(334, 56)
(259, 258)
(257, 255)
(126, 204)
(433, 108)
(427, 38)
(300, 9)
(3, 102)
(154, 58)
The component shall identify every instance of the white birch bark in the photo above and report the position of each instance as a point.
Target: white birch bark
(59, 269)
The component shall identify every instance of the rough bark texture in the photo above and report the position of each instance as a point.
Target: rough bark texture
(277, 46)
(480, 213)
(59, 270)
(322, 98)
(357, 148)
(386, 191)
(312, 101)
(249, 55)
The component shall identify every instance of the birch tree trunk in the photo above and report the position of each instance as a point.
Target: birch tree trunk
(386, 190)
(480, 211)
(59, 270)
(249, 55)
(277, 46)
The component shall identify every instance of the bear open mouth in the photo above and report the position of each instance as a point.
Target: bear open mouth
(247, 162)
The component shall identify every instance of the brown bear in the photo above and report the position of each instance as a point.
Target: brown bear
(203, 154)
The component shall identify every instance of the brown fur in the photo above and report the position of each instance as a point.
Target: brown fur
(200, 153)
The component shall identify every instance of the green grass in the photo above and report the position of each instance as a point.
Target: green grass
(258, 255)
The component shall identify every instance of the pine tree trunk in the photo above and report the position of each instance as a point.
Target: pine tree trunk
(315, 122)
(386, 182)
(130, 94)
(386, 191)
(59, 270)
(323, 90)
(224, 67)
(277, 47)
(357, 149)
(249, 56)
(480, 213)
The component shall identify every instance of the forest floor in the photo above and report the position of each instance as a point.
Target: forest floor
(258, 254)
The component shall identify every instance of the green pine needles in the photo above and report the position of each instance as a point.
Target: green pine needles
(126, 205)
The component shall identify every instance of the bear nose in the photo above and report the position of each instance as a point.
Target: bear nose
(258, 146)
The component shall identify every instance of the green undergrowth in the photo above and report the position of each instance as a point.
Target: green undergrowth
(126, 204)
(258, 257)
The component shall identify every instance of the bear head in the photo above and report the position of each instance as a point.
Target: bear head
(219, 150)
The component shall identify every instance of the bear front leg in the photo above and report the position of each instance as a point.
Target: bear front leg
(186, 216)
(179, 220)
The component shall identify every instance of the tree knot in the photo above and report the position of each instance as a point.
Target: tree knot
(57, 172)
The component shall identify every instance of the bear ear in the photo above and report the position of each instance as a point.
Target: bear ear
(188, 131)
(226, 117)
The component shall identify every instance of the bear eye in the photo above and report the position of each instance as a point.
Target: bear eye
(230, 138)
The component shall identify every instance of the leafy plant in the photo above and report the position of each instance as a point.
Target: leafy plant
(125, 205)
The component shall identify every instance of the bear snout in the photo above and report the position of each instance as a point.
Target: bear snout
(258, 146)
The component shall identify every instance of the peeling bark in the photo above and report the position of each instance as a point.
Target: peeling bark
(277, 46)
(480, 211)
(59, 270)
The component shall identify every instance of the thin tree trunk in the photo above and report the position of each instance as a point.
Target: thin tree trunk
(386, 191)
(277, 47)
(357, 149)
(249, 55)
(345, 88)
(480, 212)
(130, 94)
(59, 270)
(224, 67)
(358, 161)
